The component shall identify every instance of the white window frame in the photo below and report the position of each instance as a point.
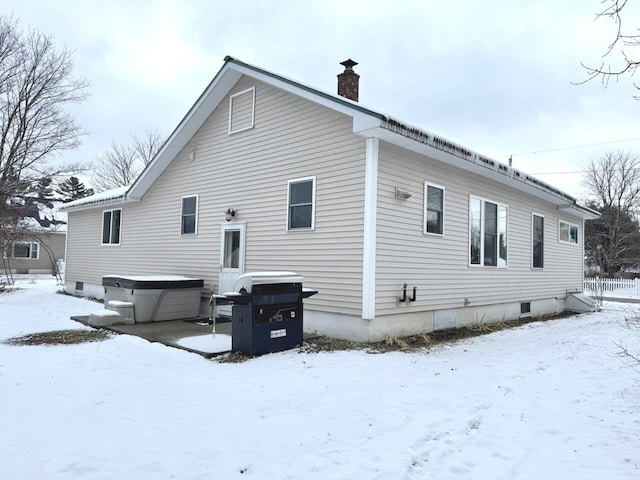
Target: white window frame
(424, 227)
(482, 233)
(110, 244)
(571, 225)
(533, 215)
(182, 215)
(31, 244)
(253, 109)
(313, 203)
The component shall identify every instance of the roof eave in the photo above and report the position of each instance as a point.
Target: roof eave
(451, 153)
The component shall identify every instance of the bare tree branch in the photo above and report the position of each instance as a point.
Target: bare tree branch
(121, 165)
(628, 64)
(36, 87)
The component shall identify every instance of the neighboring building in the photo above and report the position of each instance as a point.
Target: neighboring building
(265, 173)
(42, 249)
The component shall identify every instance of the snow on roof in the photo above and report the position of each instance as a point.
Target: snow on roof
(97, 198)
(45, 220)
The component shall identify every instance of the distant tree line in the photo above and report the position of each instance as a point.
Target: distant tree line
(612, 242)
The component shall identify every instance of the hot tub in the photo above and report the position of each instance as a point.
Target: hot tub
(156, 298)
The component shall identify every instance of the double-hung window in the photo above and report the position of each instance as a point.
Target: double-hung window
(189, 215)
(487, 233)
(537, 248)
(26, 250)
(568, 232)
(111, 227)
(433, 209)
(301, 204)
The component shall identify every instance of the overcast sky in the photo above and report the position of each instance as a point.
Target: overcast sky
(494, 76)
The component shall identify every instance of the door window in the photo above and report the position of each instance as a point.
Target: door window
(231, 249)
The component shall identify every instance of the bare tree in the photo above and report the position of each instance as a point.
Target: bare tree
(36, 87)
(121, 165)
(613, 241)
(627, 42)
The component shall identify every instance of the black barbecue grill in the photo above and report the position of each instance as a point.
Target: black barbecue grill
(267, 313)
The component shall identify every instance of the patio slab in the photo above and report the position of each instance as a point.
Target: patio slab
(193, 335)
(178, 334)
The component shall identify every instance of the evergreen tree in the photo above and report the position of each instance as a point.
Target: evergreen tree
(73, 189)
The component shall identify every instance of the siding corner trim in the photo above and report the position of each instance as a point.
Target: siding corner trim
(369, 245)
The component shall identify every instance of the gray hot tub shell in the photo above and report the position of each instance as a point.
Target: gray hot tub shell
(156, 298)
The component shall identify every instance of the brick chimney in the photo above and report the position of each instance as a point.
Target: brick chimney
(348, 81)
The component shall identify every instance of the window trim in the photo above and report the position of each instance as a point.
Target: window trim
(428, 184)
(571, 225)
(253, 109)
(30, 257)
(110, 244)
(182, 214)
(533, 215)
(482, 231)
(313, 203)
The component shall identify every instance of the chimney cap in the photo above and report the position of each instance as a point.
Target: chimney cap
(348, 65)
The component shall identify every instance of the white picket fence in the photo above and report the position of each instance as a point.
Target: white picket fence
(612, 287)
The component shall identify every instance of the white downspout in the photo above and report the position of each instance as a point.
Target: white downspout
(369, 247)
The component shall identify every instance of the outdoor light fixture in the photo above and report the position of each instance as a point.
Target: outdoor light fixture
(230, 214)
(403, 194)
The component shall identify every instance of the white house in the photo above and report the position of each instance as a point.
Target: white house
(265, 173)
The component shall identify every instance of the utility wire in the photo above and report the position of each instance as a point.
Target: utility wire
(574, 147)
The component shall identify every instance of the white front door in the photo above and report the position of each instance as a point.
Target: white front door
(231, 259)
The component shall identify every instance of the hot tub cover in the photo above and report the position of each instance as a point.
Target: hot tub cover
(151, 282)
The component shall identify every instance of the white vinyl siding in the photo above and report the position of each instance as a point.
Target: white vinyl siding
(292, 139)
(568, 232)
(440, 269)
(189, 222)
(242, 110)
(111, 225)
(433, 209)
(301, 204)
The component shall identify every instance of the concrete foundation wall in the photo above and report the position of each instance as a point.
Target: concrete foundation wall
(404, 324)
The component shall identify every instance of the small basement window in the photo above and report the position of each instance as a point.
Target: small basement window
(525, 308)
(79, 286)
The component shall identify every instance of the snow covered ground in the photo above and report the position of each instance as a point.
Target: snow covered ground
(547, 400)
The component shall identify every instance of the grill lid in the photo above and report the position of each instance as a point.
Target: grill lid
(247, 280)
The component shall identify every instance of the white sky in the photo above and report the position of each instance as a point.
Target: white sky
(495, 76)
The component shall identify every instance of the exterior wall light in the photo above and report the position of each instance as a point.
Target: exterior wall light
(402, 194)
(230, 214)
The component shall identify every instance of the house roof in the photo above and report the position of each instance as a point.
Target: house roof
(97, 199)
(45, 220)
(366, 122)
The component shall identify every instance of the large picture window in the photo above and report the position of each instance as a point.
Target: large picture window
(189, 215)
(26, 250)
(568, 232)
(537, 234)
(301, 210)
(487, 233)
(111, 220)
(433, 209)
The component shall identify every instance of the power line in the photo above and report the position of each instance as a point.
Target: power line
(574, 147)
